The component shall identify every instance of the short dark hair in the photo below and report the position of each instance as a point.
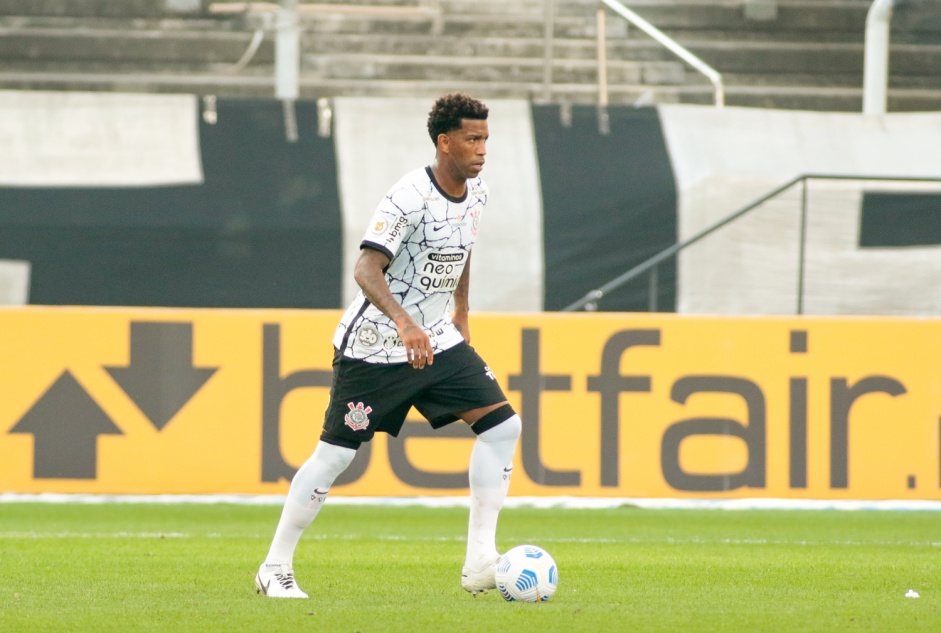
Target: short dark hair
(447, 112)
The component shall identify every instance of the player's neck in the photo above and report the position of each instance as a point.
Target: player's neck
(452, 186)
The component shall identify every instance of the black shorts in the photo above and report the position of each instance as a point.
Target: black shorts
(367, 398)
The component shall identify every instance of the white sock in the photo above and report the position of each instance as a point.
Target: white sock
(306, 496)
(491, 465)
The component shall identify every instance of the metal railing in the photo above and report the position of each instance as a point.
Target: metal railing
(876, 60)
(589, 302)
(711, 73)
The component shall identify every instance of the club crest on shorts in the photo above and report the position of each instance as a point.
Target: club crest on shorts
(358, 417)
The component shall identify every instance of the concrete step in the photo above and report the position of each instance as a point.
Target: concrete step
(151, 43)
(822, 20)
(504, 69)
(159, 8)
(261, 85)
(811, 57)
(805, 54)
(352, 66)
(830, 99)
(739, 15)
(50, 45)
(100, 8)
(931, 82)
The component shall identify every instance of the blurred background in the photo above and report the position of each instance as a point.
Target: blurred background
(195, 153)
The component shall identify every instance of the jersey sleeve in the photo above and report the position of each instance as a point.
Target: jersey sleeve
(393, 221)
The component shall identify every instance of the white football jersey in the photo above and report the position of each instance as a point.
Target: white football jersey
(428, 236)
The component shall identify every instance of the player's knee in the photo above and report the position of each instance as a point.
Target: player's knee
(498, 425)
(338, 440)
(338, 457)
(509, 429)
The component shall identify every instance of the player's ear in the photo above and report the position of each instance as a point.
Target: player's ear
(443, 142)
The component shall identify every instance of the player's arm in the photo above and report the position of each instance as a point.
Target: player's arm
(461, 304)
(368, 273)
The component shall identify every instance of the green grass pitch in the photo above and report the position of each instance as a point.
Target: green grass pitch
(190, 567)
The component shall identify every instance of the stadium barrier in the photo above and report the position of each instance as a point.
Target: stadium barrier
(189, 401)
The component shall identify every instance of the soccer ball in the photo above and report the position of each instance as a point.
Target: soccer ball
(527, 573)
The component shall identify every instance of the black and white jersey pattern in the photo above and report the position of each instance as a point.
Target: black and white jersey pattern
(428, 236)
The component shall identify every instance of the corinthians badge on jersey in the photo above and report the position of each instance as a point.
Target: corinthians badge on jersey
(358, 417)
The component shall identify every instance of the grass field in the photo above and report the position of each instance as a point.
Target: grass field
(189, 567)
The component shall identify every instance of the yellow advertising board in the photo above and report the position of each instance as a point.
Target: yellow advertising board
(185, 401)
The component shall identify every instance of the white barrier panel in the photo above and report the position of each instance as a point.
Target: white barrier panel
(78, 139)
(379, 140)
(14, 282)
(724, 159)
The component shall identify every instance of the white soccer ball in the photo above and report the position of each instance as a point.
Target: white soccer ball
(527, 573)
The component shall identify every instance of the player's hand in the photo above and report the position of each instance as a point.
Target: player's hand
(418, 348)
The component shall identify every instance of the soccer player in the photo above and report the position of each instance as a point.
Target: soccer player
(405, 341)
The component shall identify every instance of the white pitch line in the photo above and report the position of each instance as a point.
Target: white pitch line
(461, 538)
(92, 535)
(584, 503)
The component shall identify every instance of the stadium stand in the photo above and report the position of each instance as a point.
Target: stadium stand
(792, 54)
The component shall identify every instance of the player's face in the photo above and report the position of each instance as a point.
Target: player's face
(467, 147)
